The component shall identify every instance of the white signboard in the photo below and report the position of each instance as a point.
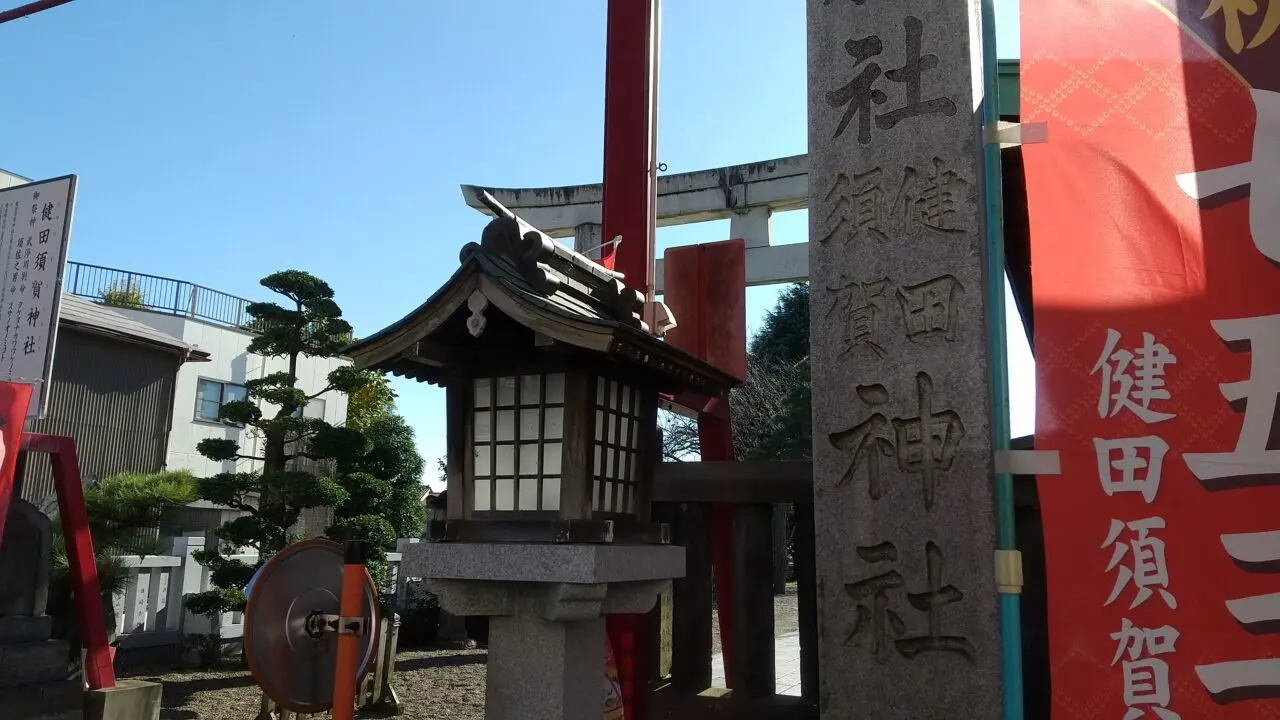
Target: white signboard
(35, 225)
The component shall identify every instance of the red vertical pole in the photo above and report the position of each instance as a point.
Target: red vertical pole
(630, 114)
(630, 111)
(14, 400)
(706, 290)
(350, 605)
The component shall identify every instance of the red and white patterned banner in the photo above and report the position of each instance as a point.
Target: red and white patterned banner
(1155, 225)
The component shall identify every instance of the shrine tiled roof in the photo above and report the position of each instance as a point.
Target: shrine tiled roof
(539, 270)
(544, 286)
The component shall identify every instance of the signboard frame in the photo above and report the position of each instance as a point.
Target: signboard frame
(40, 404)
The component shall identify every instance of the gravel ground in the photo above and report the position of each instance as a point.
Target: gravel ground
(431, 684)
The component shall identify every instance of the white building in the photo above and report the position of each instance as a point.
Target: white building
(212, 322)
(8, 179)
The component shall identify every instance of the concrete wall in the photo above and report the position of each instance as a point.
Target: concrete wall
(230, 362)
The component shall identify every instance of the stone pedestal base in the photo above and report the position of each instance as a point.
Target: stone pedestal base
(25, 628)
(453, 629)
(33, 671)
(128, 700)
(30, 663)
(545, 670)
(546, 605)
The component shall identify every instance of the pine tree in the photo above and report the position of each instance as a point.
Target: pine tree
(309, 324)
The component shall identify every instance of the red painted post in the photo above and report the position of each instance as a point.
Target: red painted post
(14, 400)
(98, 668)
(630, 114)
(350, 604)
(705, 287)
(715, 442)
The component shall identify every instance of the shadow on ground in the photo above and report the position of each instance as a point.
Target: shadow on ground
(441, 661)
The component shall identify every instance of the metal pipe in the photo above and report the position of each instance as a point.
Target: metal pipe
(1006, 531)
(349, 606)
(29, 9)
(655, 69)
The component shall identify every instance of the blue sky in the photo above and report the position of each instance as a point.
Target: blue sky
(218, 141)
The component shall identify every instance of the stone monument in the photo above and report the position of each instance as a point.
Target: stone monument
(903, 470)
(33, 668)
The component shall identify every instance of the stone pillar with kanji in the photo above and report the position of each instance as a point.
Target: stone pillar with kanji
(901, 366)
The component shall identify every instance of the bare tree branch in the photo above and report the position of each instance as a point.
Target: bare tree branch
(758, 408)
(679, 437)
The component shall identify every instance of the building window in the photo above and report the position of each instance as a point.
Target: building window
(615, 471)
(518, 440)
(211, 395)
(314, 409)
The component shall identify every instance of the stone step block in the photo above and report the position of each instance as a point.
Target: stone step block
(129, 700)
(33, 663)
(62, 700)
(25, 628)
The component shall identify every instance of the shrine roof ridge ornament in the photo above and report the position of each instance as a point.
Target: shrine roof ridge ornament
(563, 297)
(551, 268)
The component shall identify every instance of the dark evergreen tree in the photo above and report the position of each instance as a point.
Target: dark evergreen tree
(384, 490)
(309, 324)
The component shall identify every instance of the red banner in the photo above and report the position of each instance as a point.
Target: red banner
(613, 705)
(14, 399)
(1155, 226)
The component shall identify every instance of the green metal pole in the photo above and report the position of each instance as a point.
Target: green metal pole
(1010, 605)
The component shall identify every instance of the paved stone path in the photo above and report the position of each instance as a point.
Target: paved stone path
(786, 653)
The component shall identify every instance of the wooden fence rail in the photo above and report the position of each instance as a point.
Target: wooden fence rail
(684, 494)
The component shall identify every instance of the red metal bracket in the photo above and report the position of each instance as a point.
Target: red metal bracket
(98, 668)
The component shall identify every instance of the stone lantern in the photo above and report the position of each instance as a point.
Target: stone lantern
(552, 384)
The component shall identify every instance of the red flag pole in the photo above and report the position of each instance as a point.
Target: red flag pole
(630, 112)
(630, 135)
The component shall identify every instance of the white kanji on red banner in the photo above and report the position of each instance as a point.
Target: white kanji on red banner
(1146, 569)
(1251, 456)
(1257, 613)
(1252, 459)
(1133, 379)
(1120, 460)
(1261, 175)
(1146, 676)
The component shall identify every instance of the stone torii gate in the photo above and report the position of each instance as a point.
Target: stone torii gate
(746, 195)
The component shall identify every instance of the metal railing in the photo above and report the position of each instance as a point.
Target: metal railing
(122, 288)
